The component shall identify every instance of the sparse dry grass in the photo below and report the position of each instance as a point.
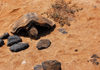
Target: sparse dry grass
(62, 12)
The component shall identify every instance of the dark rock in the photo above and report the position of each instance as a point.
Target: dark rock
(93, 60)
(38, 67)
(4, 36)
(1, 42)
(96, 63)
(13, 40)
(95, 56)
(62, 30)
(51, 65)
(19, 46)
(43, 44)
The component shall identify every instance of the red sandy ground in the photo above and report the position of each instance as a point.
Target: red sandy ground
(83, 34)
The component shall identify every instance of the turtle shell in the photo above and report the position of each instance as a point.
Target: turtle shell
(27, 18)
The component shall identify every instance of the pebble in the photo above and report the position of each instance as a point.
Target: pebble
(1, 42)
(62, 30)
(19, 47)
(4, 36)
(43, 44)
(13, 40)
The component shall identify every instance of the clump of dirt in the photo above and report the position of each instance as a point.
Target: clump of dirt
(62, 12)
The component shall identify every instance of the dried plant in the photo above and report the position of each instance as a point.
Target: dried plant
(62, 13)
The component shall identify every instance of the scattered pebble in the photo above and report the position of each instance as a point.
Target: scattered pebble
(38, 67)
(95, 56)
(97, 63)
(62, 30)
(4, 36)
(1, 42)
(19, 46)
(23, 62)
(43, 44)
(13, 40)
(51, 65)
(94, 60)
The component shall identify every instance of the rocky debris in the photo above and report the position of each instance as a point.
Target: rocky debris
(1, 42)
(94, 59)
(4, 36)
(38, 67)
(13, 40)
(28, 21)
(62, 30)
(51, 65)
(19, 46)
(95, 56)
(43, 44)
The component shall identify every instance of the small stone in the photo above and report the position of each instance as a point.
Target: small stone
(23, 62)
(43, 44)
(93, 60)
(95, 56)
(51, 65)
(38, 67)
(62, 30)
(19, 46)
(97, 63)
(13, 40)
(1, 42)
(4, 36)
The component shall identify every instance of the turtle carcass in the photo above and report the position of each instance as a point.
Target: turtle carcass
(27, 24)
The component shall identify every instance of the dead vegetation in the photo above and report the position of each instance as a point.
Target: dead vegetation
(62, 12)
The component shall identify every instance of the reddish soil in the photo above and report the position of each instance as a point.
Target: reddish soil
(83, 35)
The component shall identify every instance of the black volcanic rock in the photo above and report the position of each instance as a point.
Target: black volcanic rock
(13, 40)
(1, 42)
(51, 65)
(43, 44)
(19, 46)
(4, 36)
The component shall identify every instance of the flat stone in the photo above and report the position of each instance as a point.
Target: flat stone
(95, 56)
(38, 67)
(4, 36)
(51, 65)
(19, 47)
(1, 42)
(13, 40)
(62, 30)
(43, 44)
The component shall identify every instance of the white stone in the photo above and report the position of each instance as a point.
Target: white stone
(23, 62)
